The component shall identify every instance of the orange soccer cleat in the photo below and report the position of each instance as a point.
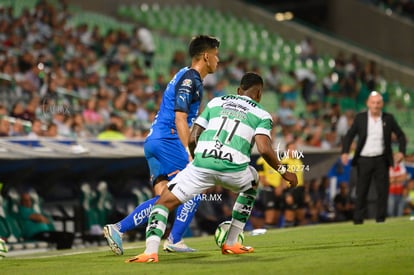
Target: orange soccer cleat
(144, 258)
(237, 248)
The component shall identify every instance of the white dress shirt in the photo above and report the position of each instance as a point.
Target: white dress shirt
(374, 144)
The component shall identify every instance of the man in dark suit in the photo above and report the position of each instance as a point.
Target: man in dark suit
(373, 154)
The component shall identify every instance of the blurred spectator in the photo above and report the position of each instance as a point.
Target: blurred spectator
(160, 84)
(17, 129)
(398, 178)
(103, 108)
(142, 116)
(329, 140)
(209, 84)
(219, 89)
(332, 116)
(178, 61)
(285, 115)
(370, 75)
(119, 103)
(344, 123)
(410, 199)
(307, 49)
(146, 44)
(314, 201)
(52, 131)
(288, 88)
(131, 113)
(4, 127)
(37, 226)
(30, 111)
(343, 203)
(270, 196)
(235, 72)
(36, 130)
(111, 132)
(3, 111)
(272, 78)
(314, 138)
(63, 122)
(78, 127)
(90, 114)
(17, 110)
(294, 198)
(116, 120)
(28, 77)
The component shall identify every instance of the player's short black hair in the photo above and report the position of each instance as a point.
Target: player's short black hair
(201, 43)
(250, 79)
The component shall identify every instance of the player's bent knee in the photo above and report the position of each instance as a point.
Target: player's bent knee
(169, 200)
(159, 179)
(159, 184)
(255, 181)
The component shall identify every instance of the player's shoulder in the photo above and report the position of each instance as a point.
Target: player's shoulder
(190, 74)
(188, 78)
(215, 101)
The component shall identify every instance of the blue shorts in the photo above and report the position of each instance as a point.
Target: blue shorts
(165, 157)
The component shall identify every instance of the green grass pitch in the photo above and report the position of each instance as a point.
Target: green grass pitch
(344, 248)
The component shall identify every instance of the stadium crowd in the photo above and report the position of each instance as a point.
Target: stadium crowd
(59, 80)
(77, 82)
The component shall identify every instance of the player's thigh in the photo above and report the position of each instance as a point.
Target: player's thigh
(191, 182)
(240, 181)
(165, 157)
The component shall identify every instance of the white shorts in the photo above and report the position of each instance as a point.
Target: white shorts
(193, 180)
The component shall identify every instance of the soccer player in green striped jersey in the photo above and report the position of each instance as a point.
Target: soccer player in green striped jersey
(221, 141)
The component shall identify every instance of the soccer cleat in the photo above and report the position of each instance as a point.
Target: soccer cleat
(114, 238)
(177, 247)
(237, 248)
(144, 258)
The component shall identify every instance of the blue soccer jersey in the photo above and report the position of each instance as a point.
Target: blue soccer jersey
(184, 93)
(163, 148)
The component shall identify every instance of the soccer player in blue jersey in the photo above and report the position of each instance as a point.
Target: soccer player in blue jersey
(166, 146)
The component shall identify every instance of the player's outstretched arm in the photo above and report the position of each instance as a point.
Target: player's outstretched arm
(196, 131)
(264, 146)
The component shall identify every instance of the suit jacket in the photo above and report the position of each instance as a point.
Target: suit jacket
(360, 126)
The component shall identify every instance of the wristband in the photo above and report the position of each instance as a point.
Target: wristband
(188, 150)
(282, 169)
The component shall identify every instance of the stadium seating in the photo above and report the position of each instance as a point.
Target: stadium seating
(253, 42)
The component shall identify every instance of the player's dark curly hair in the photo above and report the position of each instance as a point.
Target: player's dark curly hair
(250, 79)
(202, 43)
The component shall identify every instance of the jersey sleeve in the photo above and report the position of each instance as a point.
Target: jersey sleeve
(204, 117)
(184, 90)
(264, 127)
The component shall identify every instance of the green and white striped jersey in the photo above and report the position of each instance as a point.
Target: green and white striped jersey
(230, 123)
